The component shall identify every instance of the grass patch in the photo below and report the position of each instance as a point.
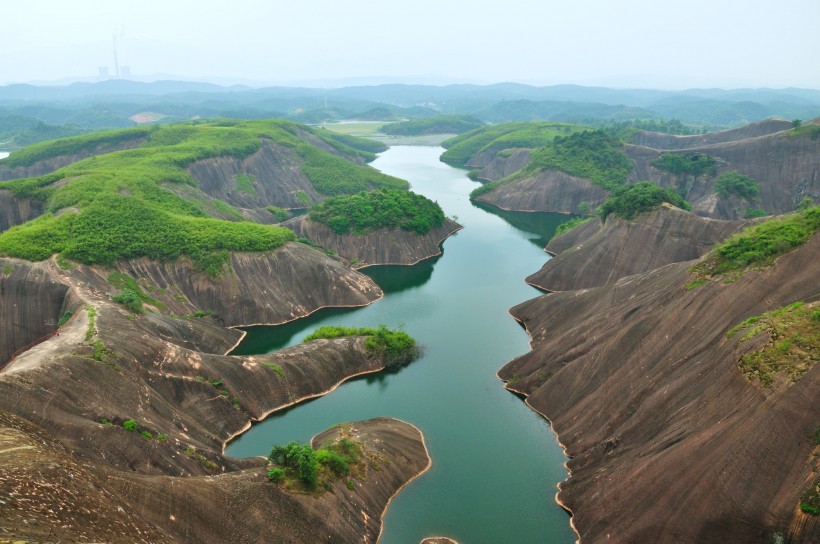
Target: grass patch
(64, 319)
(570, 224)
(7, 269)
(396, 347)
(793, 345)
(207, 464)
(124, 281)
(92, 313)
(368, 211)
(278, 213)
(244, 183)
(761, 244)
(275, 368)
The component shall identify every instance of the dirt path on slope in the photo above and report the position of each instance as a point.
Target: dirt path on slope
(72, 334)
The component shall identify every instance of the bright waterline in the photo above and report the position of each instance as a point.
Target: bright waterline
(495, 461)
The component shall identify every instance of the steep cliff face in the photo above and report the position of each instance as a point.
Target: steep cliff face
(275, 179)
(622, 247)
(168, 375)
(384, 246)
(500, 165)
(255, 288)
(549, 190)
(785, 165)
(31, 304)
(16, 211)
(668, 441)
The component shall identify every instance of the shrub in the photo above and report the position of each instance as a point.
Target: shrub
(276, 475)
(736, 184)
(570, 224)
(752, 213)
(130, 424)
(695, 164)
(762, 243)
(805, 203)
(396, 347)
(591, 154)
(630, 200)
(130, 300)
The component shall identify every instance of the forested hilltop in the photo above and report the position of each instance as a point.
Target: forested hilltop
(198, 189)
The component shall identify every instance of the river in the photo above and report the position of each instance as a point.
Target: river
(495, 462)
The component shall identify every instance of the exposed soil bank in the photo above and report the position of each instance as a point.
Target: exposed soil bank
(668, 442)
(384, 246)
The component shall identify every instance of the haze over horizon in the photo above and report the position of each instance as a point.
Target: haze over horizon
(635, 43)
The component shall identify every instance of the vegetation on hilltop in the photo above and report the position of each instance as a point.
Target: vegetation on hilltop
(758, 246)
(629, 200)
(461, 148)
(396, 346)
(383, 208)
(441, 124)
(570, 224)
(591, 154)
(121, 204)
(299, 466)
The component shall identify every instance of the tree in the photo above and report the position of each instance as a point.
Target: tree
(797, 123)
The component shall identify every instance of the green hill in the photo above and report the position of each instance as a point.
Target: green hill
(122, 204)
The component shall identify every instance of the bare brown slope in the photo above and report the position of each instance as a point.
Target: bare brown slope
(384, 246)
(667, 440)
(168, 375)
(658, 140)
(549, 190)
(494, 165)
(257, 288)
(52, 496)
(278, 180)
(622, 247)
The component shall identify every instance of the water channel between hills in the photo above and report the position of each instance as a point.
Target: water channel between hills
(495, 461)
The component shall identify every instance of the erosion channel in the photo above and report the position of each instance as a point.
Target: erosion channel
(495, 463)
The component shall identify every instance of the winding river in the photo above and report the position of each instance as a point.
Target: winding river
(495, 461)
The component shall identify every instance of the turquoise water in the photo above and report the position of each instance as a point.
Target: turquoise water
(495, 461)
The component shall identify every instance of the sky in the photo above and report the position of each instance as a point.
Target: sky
(327, 43)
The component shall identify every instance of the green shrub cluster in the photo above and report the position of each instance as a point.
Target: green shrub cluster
(592, 154)
(462, 148)
(368, 211)
(761, 244)
(630, 200)
(396, 347)
(694, 164)
(130, 300)
(312, 466)
(736, 184)
(332, 175)
(441, 124)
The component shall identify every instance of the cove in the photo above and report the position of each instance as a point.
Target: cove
(495, 462)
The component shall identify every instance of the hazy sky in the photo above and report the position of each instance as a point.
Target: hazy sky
(621, 43)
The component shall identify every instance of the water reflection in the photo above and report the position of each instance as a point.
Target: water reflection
(540, 225)
(397, 278)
